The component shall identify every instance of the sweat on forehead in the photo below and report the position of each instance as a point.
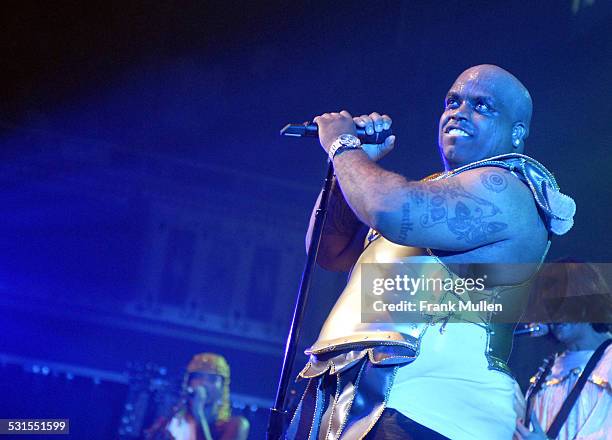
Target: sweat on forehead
(498, 82)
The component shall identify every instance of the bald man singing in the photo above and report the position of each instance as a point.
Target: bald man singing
(431, 373)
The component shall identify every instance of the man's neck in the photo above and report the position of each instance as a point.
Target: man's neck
(450, 166)
(589, 341)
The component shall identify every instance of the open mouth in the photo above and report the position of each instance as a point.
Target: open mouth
(455, 131)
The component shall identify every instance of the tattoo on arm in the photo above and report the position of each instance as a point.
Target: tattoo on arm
(406, 225)
(494, 181)
(466, 215)
(375, 194)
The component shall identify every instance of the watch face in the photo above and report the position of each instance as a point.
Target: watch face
(349, 140)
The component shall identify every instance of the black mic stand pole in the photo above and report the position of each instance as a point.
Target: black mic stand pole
(276, 423)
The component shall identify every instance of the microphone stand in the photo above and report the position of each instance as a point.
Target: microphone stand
(276, 423)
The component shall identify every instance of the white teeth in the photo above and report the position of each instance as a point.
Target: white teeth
(457, 132)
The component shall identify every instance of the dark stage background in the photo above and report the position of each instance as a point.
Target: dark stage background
(151, 211)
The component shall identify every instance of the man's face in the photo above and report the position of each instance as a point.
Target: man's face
(568, 332)
(478, 118)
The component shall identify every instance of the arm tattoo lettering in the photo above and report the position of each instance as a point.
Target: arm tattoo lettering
(406, 225)
(467, 216)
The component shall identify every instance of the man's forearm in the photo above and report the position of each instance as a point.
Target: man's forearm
(369, 189)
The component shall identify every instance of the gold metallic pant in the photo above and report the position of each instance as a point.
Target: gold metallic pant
(347, 392)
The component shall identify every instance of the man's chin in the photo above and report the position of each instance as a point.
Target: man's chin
(454, 156)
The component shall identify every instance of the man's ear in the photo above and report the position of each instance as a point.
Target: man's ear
(519, 133)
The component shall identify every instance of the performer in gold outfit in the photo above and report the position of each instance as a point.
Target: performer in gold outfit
(438, 374)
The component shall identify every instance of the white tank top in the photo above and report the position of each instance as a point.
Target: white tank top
(449, 382)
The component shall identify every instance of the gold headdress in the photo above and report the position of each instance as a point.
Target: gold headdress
(212, 363)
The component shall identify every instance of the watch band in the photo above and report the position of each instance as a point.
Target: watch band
(344, 148)
(345, 141)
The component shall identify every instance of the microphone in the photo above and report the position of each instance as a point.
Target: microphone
(535, 330)
(308, 129)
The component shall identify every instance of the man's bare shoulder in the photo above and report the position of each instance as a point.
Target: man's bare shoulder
(527, 235)
(500, 187)
(493, 180)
